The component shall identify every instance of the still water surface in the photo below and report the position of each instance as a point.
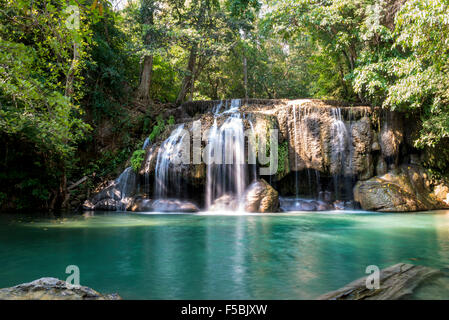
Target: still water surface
(213, 256)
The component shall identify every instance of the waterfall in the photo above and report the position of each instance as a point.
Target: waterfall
(146, 143)
(302, 118)
(226, 169)
(167, 180)
(125, 183)
(148, 160)
(339, 138)
(295, 146)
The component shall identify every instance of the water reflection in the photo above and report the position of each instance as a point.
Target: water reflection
(219, 257)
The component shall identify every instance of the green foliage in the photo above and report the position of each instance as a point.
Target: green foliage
(32, 109)
(282, 158)
(137, 159)
(158, 128)
(57, 83)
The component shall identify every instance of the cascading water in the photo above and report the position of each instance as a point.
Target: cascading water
(167, 182)
(146, 143)
(322, 155)
(125, 183)
(226, 168)
(339, 138)
(303, 119)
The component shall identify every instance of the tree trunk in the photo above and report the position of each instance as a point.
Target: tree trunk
(188, 78)
(143, 92)
(71, 74)
(245, 76)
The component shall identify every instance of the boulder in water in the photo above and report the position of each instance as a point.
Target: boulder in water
(117, 195)
(346, 205)
(402, 189)
(261, 197)
(52, 289)
(224, 203)
(174, 205)
(140, 204)
(323, 206)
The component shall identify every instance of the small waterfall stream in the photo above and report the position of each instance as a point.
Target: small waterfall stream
(167, 182)
(340, 140)
(226, 168)
(125, 183)
(308, 126)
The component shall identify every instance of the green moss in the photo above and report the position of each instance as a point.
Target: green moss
(137, 159)
(282, 158)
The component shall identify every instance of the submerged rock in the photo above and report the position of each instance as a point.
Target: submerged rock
(402, 189)
(174, 205)
(52, 289)
(346, 205)
(294, 204)
(261, 197)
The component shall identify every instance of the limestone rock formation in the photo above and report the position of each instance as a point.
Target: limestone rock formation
(116, 195)
(441, 192)
(52, 289)
(391, 136)
(404, 189)
(322, 146)
(261, 197)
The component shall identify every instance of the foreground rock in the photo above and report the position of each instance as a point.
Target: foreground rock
(404, 189)
(261, 197)
(52, 289)
(396, 282)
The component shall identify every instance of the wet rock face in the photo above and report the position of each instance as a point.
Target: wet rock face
(52, 289)
(334, 141)
(261, 197)
(391, 136)
(361, 163)
(441, 193)
(400, 190)
(116, 195)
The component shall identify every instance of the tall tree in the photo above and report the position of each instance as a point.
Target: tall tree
(147, 10)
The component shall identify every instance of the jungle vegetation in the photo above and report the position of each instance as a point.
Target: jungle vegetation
(76, 76)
